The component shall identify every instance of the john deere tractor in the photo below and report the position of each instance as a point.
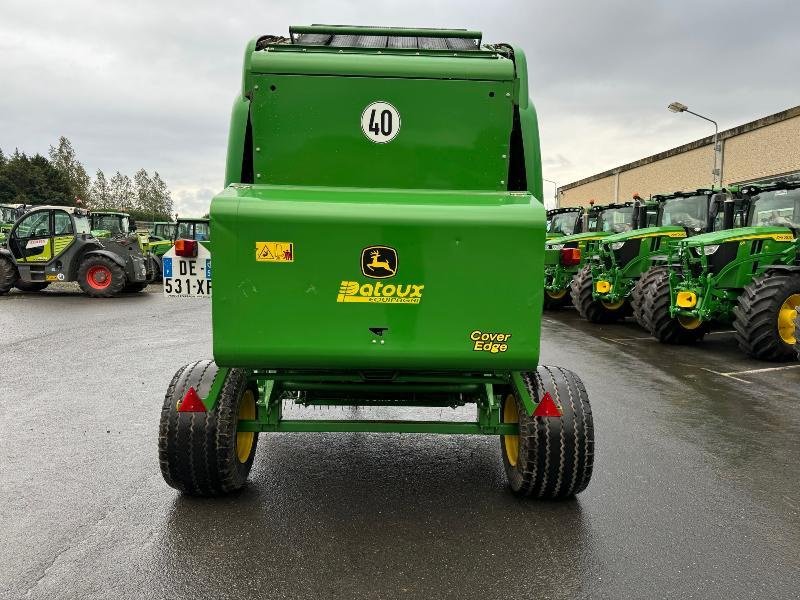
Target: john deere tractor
(162, 230)
(379, 243)
(747, 276)
(570, 253)
(186, 228)
(612, 288)
(9, 213)
(564, 221)
(54, 243)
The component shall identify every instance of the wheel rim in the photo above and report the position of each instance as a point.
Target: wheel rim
(511, 442)
(786, 318)
(98, 277)
(556, 295)
(246, 439)
(689, 322)
(613, 305)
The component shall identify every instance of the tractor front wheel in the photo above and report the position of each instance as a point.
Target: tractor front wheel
(765, 314)
(202, 453)
(31, 286)
(556, 300)
(552, 457)
(101, 277)
(639, 291)
(590, 309)
(8, 274)
(657, 319)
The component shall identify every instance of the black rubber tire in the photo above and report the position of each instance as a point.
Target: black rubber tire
(657, 320)
(9, 277)
(551, 303)
(639, 290)
(158, 274)
(135, 287)
(118, 279)
(556, 454)
(31, 286)
(756, 316)
(590, 309)
(797, 335)
(197, 450)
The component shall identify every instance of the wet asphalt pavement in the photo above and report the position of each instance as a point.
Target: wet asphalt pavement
(696, 490)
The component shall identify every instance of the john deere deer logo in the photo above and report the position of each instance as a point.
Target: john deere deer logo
(379, 262)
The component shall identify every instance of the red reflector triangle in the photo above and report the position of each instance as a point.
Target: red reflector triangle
(547, 407)
(191, 402)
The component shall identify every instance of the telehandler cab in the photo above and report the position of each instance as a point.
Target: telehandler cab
(54, 243)
(355, 266)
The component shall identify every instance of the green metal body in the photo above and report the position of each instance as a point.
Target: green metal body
(717, 266)
(353, 272)
(600, 224)
(625, 257)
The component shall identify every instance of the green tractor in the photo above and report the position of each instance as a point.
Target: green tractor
(107, 224)
(162, 230)
(355, 267)
(612, 288)
(570, 253)
(186, 228)
(9, 213)
(746, 276)
(54, 243)
(564, 221)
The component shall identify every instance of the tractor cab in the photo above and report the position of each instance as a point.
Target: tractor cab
(163, 230)
(193, 229)
(564, 221)
(699, 211)
(776, 205)
(109, 224)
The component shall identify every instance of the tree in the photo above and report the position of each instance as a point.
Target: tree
(101, 197)
(63, 158)
(33, 180)
(162, 197)
(144, 191)
(122, 192)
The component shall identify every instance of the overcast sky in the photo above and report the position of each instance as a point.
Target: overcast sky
(150, 84)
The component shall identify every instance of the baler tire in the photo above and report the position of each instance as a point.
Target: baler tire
(197, 451)
(551, 303)
(9, 277)
(639, 292)
(117, 273)
(30, 286)
(657, 320)
(757, 313)
(555, 455)
(592, 310)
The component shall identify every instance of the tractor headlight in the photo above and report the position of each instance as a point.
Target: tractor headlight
(617, 245)
(710, 249)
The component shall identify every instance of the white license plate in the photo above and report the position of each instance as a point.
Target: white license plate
(187, 277)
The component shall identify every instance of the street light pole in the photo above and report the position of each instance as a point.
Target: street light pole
(677, 107)
(555, 192)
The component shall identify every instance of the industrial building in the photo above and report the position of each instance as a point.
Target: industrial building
(763, 150)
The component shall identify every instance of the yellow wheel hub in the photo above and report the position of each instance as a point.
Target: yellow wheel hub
(246, 439)
(613, 305)
(689, 322)
(511, 442)
(556, 295)
(786, 318)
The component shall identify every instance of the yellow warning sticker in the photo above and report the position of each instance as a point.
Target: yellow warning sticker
(275, 251)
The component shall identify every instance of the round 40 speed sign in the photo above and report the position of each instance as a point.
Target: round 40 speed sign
(380, 122)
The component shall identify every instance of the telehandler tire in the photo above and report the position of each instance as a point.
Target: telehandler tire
(640, 289)
(31, 286)
(765, 314)
(201, 453)
(101, 277)
(8, 275)
(663, 326)
(592, 310)
(552, 457)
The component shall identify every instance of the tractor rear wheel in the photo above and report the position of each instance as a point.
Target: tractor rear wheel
(31, 286)
(202, 453)
(556, 300)
(640, 289)
(657, 319)
(8, 274)
(764, 317)
(101, 277)
(552, 457)
(590, 309)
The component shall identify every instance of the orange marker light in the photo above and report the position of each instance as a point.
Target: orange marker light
(186, 248)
